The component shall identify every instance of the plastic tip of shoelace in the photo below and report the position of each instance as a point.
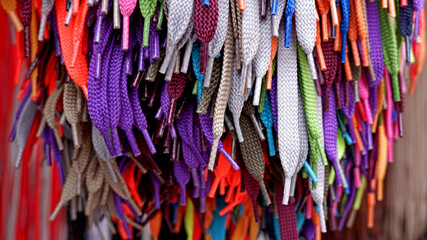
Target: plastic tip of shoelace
(408, 49)
(310, 172)
(42, 27)
(274, 7)
(229, 158)
(321, 152)
(15, 20)
(275, 27)
(333, 7)
(288, 28)
(205, 2)
(75, 53)
(242, 6)
(125, 36)
(149, 142)
(146, 32)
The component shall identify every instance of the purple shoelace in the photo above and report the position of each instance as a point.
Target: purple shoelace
(376, 53)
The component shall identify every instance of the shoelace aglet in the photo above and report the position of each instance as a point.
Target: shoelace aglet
(160, 17)
(274, 7)
(325, 29)
(355, 52)
(56, 211)
(229, 158)
(42, 27)
(257, 127)
(288, 28)
(408, 48)
(187, 55)
(104, 7)
(125, 36)
(89, 3)
(333, 8)
(208, 73)
(286, 190)
(320, 57)
(365, 54)
(274, 29)
(392, 8)
(116, 14)
(205, 2)
(76, 5)
(310, 172)
(15, 20)
(356, 90)
(69, 15)
(263, 8)
(154, 48)
(257, 91)
(242, 5)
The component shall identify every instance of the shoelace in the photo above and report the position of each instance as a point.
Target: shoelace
(308, 97)
(97, 99)
(305, 24)
(317, 192)
(78, 73)
(376, 53)
(235, 101)
(277, 17)
(223, 92)
(205, 25)
(287, 102)
(249, 110)
(250, 41)
(330, 138)
(175, 90)
(179, 14)
(208, 92)
(26, 8)
(126, 119)
(267, 119)
(10, 6)
(215, 45)
(147, 8)
(126, 9)
(114, 95)
(71, 111)
(405, 25)
(345, 7)
(262, 57)
(47, 6)
(389, 47)
(253, 156)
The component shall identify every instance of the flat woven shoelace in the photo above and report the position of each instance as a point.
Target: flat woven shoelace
(175, 89)
(79, 72)
(330, 138)
(309, 99)
(317, 192)
(390, 53)
(208, 92)
(180, 13)
(223, 92)
(332, 62)
(287, 105)
(113, 94)
(126, 9)
(235, 101)
(252, 186)
(71, 111)
(287, 217)
(205, 24)
(97, 93)
(376, 53)
(262, 57)
(147, 8)
(275, 19)
(250, 37)
(23, 128)
(47, 6)
(182, 176)
(405, 25)
(139, 118)
(305, 24)
(345, 10)
(26, 10)
(215, 45)
(253, 155)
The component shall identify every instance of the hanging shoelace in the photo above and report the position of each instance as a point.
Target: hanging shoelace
(146, 152)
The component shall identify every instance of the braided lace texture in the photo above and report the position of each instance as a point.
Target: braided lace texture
(250, 35)
(23, 128)
(235, 101)
(215, 45)
(47, 6)
(376, 53)
(205, 24)
(223, 92)
(262, 57)
(180, 13)
(318, 192)
(305, 24)
(253, 155)
(287, 107)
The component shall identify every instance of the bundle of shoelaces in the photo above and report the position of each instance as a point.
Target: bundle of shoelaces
(211, 119)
